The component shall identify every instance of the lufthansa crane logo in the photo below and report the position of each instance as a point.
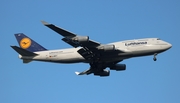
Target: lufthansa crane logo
(25, 43)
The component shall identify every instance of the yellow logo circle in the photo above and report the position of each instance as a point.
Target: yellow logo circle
(25, 43)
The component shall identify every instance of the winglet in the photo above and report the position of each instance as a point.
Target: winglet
(44, 22)
(87, 72)
(77, 73)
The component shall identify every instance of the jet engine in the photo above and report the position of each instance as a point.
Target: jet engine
(118, 67)
(106, 48)
(80, 39)
(103, 73)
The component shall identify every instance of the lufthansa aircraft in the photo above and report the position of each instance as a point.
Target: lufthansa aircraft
(98, 56)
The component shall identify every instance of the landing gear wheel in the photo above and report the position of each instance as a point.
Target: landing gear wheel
(155, 57)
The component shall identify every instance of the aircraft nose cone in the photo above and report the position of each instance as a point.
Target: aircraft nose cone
(169, 45)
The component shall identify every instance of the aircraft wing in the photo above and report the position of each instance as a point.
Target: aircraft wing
(71, 38)
(92, 51)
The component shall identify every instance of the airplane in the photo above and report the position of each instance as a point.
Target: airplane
(98, 56)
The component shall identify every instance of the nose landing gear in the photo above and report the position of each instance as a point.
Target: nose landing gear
(155, 57)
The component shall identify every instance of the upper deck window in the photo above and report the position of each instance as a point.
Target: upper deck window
(158, 39)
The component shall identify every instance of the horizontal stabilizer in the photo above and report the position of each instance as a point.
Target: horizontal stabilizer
(23, 52)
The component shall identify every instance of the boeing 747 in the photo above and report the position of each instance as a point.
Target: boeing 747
(98, 56)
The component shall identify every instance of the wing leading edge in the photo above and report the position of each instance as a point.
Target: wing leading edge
(68, 36)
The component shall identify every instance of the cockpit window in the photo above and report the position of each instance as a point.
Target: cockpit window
(158, 39)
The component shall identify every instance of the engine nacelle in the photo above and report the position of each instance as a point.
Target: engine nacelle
(106, 48)
(118, 67)
(105, 73)
(80, 39)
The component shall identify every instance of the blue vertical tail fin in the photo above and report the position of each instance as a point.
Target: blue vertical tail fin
(28, 44)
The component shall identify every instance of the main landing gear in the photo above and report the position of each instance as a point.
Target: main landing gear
(155, 57)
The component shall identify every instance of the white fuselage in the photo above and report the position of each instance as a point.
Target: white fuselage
(127, 49)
